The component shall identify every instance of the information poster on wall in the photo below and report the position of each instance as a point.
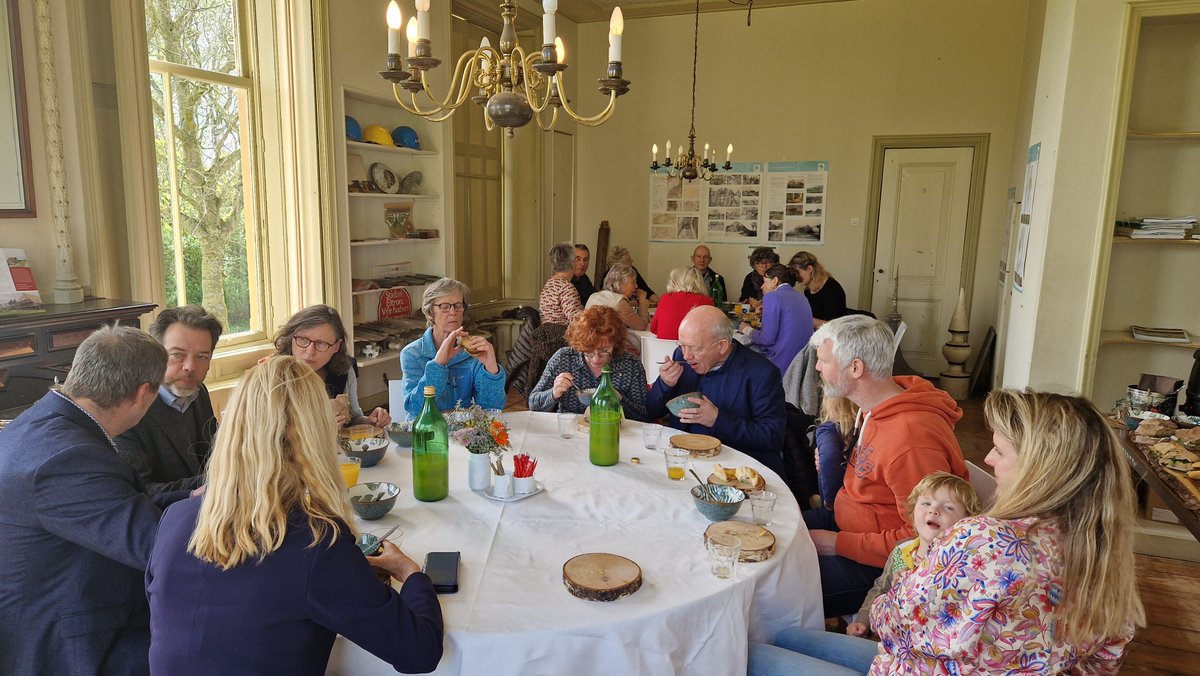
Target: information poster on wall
(796, 210)
(675, 209)
(779, 202)
(1031, 172)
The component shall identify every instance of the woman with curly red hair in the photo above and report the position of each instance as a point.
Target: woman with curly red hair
(595, 339)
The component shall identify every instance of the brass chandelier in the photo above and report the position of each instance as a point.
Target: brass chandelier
(688, 165)
(511, 86)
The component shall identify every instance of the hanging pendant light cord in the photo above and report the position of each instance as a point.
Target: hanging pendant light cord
(695, 56)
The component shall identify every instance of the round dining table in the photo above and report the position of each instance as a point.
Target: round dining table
(513, 614)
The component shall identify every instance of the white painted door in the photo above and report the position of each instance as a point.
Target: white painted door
(922, 226)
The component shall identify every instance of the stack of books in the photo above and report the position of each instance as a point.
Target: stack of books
(1156, 227)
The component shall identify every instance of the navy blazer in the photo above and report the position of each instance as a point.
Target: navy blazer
(748, 393)
(280, 615)
(76, 529)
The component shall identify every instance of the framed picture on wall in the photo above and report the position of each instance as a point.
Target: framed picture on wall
(16, 194)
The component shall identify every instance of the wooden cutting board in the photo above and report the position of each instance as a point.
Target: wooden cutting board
(699, 445)
(758, 543)
(1189, 483)
(601, 577)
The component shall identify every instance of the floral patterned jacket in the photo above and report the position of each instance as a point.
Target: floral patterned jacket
(982, 602)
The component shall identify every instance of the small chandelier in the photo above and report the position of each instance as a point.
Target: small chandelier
(512, 87)
(688, 165)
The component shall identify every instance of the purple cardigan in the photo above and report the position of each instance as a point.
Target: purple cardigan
(787, 324)
(280, 615)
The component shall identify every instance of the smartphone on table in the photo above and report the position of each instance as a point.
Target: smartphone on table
(442, 569)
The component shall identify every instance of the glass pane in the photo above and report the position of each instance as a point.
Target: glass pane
(198, 33)
(209, 198)
(158, 83)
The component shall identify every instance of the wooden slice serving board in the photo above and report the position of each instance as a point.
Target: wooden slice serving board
(758, 543)
(601, 577)
(699, 445)
(1188, 482)
(737, 483)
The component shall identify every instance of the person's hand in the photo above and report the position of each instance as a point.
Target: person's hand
(669, 372)
(857, 629)
(825, 541)
(379, 418)
(817, 459)
(199, 490)
(341, 419)
(562, 382)
(744, 327)
(705, 414)
(484, 351)
(394, 561)
(449, 347)
(756, 304)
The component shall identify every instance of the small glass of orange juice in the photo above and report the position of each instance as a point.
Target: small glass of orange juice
(349, 468)
(677, 462)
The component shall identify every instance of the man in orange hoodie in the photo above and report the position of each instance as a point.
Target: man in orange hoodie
(904, 431)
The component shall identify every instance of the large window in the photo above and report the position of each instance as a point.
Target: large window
(204, 131)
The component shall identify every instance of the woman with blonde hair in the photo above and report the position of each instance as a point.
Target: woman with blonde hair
(261, 573)
(834, 438)
(686, 289)
(1043, 582)
(825, 295)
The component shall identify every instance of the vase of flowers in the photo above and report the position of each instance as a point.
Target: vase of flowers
(486, 438)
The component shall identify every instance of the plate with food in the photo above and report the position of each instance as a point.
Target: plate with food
(746, 478)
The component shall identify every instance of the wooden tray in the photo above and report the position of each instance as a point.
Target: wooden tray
(601, 577)
(744, 485)
(699, 445)
(758, 543)
(1188, 483)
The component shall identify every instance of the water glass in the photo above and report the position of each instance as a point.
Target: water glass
(723, 552)
(677, 462)
(566, 425)
(763, 505)
(650, 433)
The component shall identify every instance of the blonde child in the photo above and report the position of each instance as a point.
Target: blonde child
(935, 504)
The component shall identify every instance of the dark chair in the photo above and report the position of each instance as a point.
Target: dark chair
(800, 468)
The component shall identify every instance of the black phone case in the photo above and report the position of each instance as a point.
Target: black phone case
(442, 569)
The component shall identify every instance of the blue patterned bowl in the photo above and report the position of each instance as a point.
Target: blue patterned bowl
(369, 451)
(373, 500)
(676, 405)
(401, 433)
(720, 503)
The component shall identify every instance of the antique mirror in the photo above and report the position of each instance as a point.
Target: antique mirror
(16, 185)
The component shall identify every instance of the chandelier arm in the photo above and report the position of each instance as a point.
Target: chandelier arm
(460, 80)
(553, 120)
(535, 81)
(594, 120)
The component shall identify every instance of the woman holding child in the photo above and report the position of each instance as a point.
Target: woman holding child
(1043, 582)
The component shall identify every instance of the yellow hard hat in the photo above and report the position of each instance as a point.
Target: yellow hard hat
(374, 133)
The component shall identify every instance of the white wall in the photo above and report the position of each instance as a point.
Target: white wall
(812, 82)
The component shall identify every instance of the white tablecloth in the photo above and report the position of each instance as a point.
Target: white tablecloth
(512, 614)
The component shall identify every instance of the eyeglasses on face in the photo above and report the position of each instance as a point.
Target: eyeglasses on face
(319, 345)
(446, 307)
(695, 350)
(598, 354)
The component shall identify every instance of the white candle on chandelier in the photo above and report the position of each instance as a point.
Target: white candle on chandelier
(411, 31)
(616, 26)
(394, 22)
(483, 62)
(705, 155)
(560, 51)
(728, 152)
(668, 149)
(654, 151)
(422, 19)
(548, 29)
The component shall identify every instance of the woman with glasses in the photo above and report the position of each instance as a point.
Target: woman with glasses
(594, 340)
(761, 260)
(620, 287)
(317, 337)
(461, 367)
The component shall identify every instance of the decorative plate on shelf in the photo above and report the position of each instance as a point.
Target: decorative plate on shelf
(384, 178)
(411, 182)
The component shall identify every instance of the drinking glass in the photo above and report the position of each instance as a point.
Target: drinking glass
(677, 462)
(762, 503)
(650, 434)
(349, 468)
(723, 552)
(566, 425)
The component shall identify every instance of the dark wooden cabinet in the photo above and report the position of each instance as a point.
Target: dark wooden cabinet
(37, 348)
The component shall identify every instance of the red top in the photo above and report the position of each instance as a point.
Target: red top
(672, 308)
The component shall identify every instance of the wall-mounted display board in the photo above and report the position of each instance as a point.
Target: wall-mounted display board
(781, 202)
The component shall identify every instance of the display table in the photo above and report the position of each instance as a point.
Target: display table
(513, 615)
(1168, 485)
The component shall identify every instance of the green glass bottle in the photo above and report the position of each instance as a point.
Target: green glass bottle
(431, 452)
(605, 428)
(718, 291)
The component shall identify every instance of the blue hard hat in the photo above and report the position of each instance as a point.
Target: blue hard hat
(353, 129)
(406, 137)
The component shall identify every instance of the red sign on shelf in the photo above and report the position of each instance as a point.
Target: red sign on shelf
(394, 303)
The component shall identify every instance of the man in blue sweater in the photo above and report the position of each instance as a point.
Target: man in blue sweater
(741, 400)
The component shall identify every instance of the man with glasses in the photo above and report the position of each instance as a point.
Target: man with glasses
(169, 448)
(904, 432)
(740, 397)
(583, 284)
(701, 257)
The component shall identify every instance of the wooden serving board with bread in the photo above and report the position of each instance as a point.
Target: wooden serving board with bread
(746, 478)
(758, 543)
(1175, 450)
(699, 445)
